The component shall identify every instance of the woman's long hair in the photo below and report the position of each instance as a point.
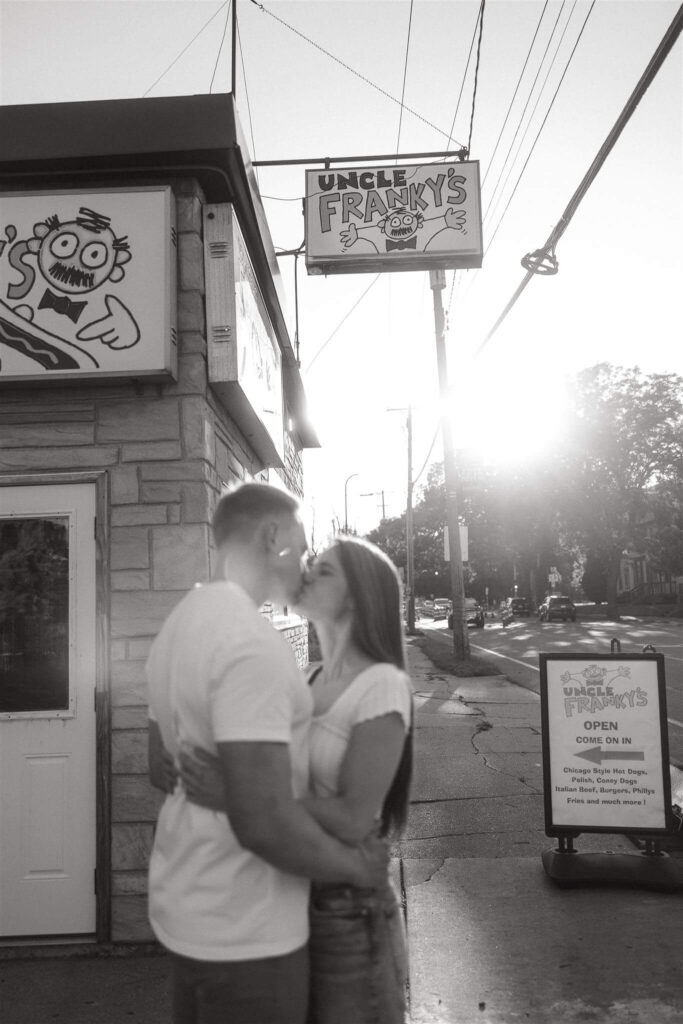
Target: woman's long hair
(377, 631)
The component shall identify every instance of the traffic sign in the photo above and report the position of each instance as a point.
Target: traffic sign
(605, 744)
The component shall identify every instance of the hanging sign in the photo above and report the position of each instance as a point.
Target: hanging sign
(605, 744)
(87, 284)
(403, 217)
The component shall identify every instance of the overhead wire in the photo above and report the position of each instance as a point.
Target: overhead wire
(405, 73)
(342, 322)
(480, 24)
(514, 95)
(476, 73)
(533, 260)
(347, 67)
(246, 93)
(492, 201)
(186, 48)
(220, 48)
(547, 114)
(464, 78)
(429, 453)
(476, 272)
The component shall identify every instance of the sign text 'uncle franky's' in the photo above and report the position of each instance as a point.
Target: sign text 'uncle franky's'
(408, 217)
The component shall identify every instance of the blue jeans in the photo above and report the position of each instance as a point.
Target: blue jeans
(270, 991)
(358, 956)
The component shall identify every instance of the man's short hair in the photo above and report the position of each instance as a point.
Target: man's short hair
(239, 512)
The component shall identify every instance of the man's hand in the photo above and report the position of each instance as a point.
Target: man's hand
(376, 856)
(162, 770)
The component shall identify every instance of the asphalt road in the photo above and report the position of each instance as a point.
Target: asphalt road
(515, 649)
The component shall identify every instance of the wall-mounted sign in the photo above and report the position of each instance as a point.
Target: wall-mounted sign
(605, 744)
(245, 363)
(87, 284)
(405, 217)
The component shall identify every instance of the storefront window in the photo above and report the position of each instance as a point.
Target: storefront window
(34, 614)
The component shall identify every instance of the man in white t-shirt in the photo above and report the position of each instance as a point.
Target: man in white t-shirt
(228, 896)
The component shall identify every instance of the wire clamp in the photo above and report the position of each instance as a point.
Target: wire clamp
(541, 261)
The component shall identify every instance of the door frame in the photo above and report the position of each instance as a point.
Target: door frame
(100, 478)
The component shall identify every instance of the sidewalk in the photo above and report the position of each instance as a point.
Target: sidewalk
(492, 939)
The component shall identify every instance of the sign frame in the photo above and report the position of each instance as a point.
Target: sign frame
(554, 825)
(349, 230)
(116, 343)
(244, 358)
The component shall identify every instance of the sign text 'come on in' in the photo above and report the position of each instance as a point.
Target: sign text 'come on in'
(605, 744)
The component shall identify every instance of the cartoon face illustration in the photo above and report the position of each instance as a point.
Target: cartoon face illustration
(594, 674)
(79, 255)
(400, 223)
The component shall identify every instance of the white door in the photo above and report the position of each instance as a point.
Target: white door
(47, 710)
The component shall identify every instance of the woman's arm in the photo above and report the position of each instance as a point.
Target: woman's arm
(367, 771)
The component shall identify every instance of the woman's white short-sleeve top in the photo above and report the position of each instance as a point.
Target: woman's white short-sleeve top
(378, 690)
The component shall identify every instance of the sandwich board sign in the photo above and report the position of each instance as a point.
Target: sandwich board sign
(605, 744)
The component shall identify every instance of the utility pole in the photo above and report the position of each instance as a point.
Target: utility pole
(410, 554)
(376, 494)
(410, 558)
(461, 640)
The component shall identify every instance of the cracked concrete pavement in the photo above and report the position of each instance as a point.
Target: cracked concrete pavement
(492, 939)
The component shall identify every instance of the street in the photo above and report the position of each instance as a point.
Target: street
(516, 647)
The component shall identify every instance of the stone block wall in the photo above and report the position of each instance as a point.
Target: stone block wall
(169, 450)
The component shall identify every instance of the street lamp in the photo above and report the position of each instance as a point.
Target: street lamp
(346, 501)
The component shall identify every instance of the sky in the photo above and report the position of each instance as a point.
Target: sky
(325, 78)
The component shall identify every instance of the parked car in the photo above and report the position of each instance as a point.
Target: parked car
(474, 613)
(557, 607)
(424, 608)
(441, 607)
(513, 606)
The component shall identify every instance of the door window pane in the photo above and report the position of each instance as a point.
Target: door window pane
(34, 614)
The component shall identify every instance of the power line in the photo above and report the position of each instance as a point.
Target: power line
(543, 260)
(526, 106)
(500, 134)
(342, 322)
(184, 50)
(246, 93)
(337, 60)
(538, 134)
(514, 95)
(405, 72)
(431, 448)
(220, 48)
(474, 277)
(476, 72)
(464, 77)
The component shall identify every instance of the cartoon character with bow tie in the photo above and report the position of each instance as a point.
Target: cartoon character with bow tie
(73, 260)
(400, 228)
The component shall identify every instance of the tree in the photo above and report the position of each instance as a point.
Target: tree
(594, 578)
(626, 438)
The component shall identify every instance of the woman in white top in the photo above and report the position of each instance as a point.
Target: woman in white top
(361, 761)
